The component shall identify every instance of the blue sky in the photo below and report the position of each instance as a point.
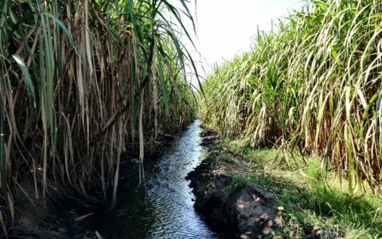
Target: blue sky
(225, 27)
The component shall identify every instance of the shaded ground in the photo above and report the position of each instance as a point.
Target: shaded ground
(58, 218)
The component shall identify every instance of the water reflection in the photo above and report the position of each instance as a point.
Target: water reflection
(163, 207)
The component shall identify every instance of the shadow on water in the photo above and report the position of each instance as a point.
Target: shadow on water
(164, 206)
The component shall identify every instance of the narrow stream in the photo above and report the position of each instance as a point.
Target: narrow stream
(164, 206)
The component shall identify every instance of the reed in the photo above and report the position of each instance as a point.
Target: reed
(81, 83)
(312, 86)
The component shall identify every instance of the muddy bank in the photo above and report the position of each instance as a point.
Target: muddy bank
(247, 209)
(61, 215)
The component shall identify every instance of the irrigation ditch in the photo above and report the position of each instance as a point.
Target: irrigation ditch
(160, 207)
(248, 210)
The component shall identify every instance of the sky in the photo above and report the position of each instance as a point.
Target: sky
(225, 27)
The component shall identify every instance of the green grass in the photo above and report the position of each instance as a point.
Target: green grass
(305, 201)
(242, 147)
(311, 87)
(309, 96)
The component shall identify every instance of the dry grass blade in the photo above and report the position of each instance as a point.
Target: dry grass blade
(77, 78)
(313, 86)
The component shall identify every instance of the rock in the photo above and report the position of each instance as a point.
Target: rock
(267, 231)
(255, 212)
(248, 211)
(316, 228)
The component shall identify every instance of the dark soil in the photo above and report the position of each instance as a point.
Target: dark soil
(58, 217)
(248, 210)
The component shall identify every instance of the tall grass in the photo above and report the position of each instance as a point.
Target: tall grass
(83, 81)
(312, 86)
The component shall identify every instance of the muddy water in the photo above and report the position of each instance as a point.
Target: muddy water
(163, 206)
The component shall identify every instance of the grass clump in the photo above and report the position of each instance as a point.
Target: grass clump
(314, 170)
(306, 201)
(242, 147)
(238, 183)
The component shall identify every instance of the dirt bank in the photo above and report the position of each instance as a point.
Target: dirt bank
(248, 209)
(260, 195)
(59, 217)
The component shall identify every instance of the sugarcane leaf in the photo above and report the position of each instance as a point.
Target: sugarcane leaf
(28, 78)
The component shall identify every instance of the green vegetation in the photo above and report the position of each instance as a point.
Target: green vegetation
(302, 198)
(80, 83)
(312, 88)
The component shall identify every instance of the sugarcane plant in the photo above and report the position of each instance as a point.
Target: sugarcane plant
(81, 82)
(311, 86)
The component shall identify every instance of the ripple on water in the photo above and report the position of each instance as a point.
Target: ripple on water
(163, 207)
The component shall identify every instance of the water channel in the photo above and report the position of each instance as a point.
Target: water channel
(164, 206)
